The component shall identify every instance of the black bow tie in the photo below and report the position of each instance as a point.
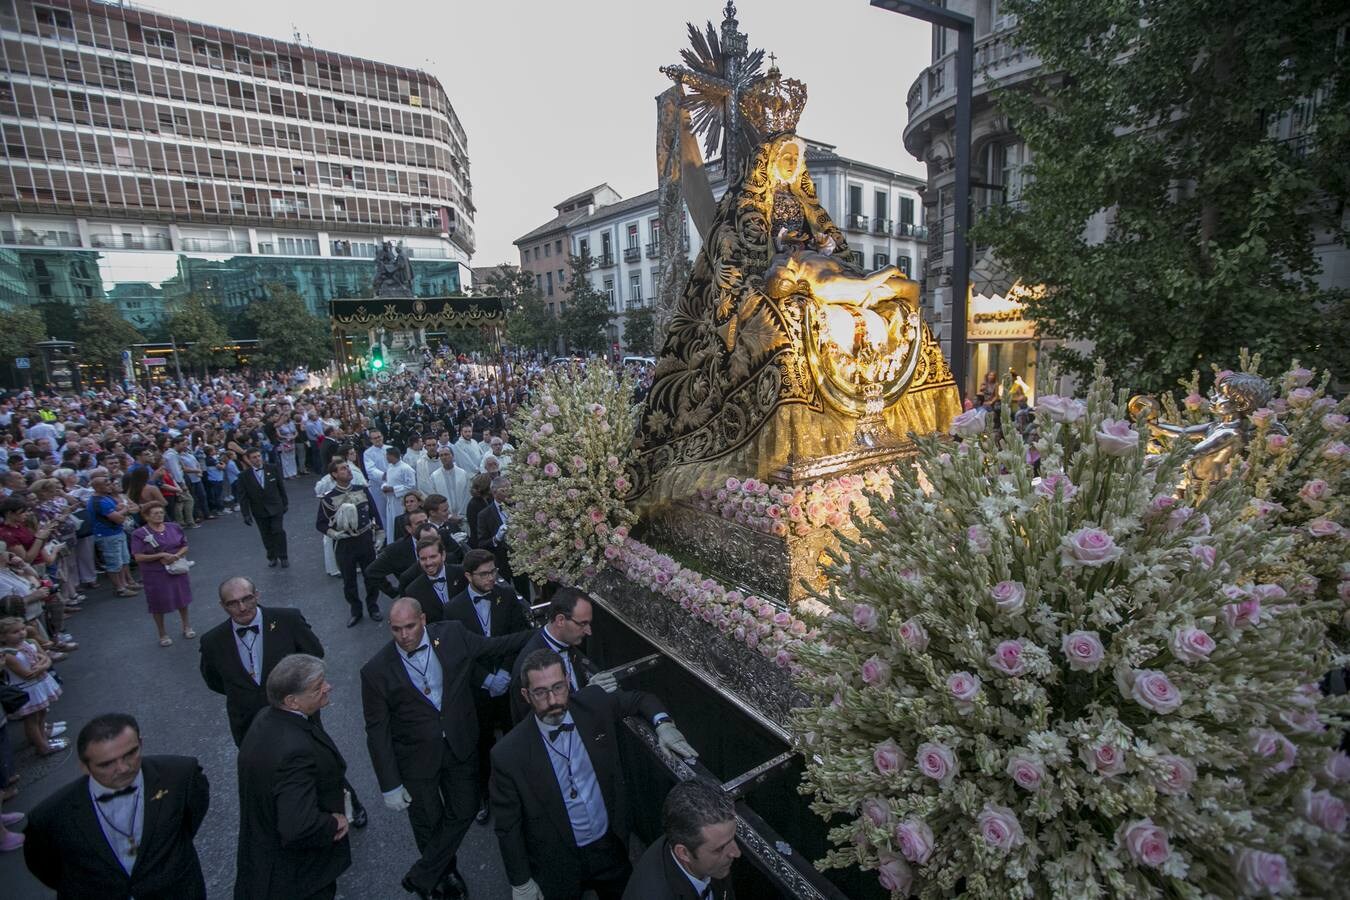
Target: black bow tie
(476, 597)
(245, 629)
(440, 580)
(417, 651)
(707, 893)
(566, 726)
(104, 798)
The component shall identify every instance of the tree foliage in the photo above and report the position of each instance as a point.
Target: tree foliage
(20, 332)
(639, 329)
(102, 335)
(288, 333)
(588, 311)
(529, 325)
(63, 323)
(1171, 122)
(193, 325)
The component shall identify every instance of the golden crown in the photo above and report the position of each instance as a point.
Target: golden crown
(774, 105)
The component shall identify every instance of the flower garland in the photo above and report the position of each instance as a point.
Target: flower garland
(576, 436)
(1071, 686)
(835, 503)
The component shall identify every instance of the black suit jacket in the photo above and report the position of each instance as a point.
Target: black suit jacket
(291, 778)
(405, 733)
(67, 851)
(395, 559)
(658, 877)
(506, 615)
(489, 520)
(529, 817)
(284, 631)
(581, 664)
(471, 512)
(267, 500)
(422, 589)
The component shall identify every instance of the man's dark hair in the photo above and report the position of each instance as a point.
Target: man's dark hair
(104, 728)
(538, 661)
(689, 807)
(475, 558)
(12, 504)
(564, 602)
(335, 463)
(431, 501)
(424, 542)
(249, 451)
(422, 527)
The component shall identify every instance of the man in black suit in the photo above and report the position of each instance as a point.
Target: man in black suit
(437, 508)
(125, 829)
(692, 861)
(492, 521)
(437, 579)
(558, 797)
(263, 499)
(422, 730)
(292, 801)
(488, 607)
(567, 622)
(396, 558)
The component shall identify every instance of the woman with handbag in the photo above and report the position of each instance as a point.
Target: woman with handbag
(160, 549)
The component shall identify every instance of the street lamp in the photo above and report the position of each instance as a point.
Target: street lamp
(964, 26)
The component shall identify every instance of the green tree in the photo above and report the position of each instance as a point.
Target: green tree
(20, 332)
(529, 326)
(63, 323)
(639, 331)
(102, 335)
(288, 333)
(1210, 137)
(199, 334)
(588, 312)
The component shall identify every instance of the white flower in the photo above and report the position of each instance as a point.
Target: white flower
(1008, 596)
(1153, 690)
(1116, 437)
(1259, 872)
(969, 423)
(1190, 644)
(1090, 548)
(1061, 409)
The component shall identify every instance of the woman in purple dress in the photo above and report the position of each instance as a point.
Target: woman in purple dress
(156, 544)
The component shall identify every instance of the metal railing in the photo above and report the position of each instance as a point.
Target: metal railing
(857, 221)
(632, 253)
(653, 249)
(605, 260)
(881, 226)
(130, 242)
(909, 229)
(29, 238)
(214, 245)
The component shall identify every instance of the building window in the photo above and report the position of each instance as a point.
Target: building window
(632, 235)
(548, 283)
(557, 248)
(635, 289)
(583, 247)
(57, 18)
(855, 200)
(880, 260)
(905, 265)
(154, 37)
(882, 203)
(562, 275)
(548, 250)
(906, 210)
(606, 248)
(538, 282)
(1002, 164)
(609, 292)
(242, 55)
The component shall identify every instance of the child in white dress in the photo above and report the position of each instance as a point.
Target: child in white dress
(28, 668)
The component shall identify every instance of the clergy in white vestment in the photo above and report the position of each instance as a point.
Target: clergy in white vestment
(451, 482)
(421, 463)
(468, 452)
(375, 460)
(399, 479)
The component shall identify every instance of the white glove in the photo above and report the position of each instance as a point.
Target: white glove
(605, 681)
(335, 534)
(501, 533)
(398, 799)
(527, 891)
(670, 738)
(497, 683)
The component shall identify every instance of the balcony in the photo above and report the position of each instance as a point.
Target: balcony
(653, 249)
(27, 237)
(910, 230)
(130, 242)
(214, 245)
(857, 222)
(881, 226)
(632, 253)
(605, 261)
(426, 252)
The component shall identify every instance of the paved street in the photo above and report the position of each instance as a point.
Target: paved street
(121, 667)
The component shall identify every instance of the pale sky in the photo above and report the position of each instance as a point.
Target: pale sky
(559, 96)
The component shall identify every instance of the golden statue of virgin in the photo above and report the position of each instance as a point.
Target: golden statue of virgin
(781, 352)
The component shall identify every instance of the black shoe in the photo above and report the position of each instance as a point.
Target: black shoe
(375, 616)
(359, 817)
(285, 563)
(271, 564)
(483, 815)
(414, 889)
(354, 621)
(452, 886)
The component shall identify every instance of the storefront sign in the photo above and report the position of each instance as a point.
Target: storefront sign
(1000, 317)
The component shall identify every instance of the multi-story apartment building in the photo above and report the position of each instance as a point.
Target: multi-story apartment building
(148, 157)
(875, 207)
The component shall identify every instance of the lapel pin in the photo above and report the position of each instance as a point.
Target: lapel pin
(272, 626)
(160, 794)
(436, 642)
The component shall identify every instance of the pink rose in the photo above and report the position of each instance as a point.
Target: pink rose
(977, 538)
(1304, 722)
(1007, 658)
(1302, 396)
(1336, 450)
(1027, 772)
(1300, 376)
(937, 761)
(1161, 504)
(1008, 596)
(1000, 828)
(552, 470)
(532, 459)
(1061, 409)
(915, 840)
(1116, 437)
(1104, 759)
(597, 516)
(1050, 484)
(1194, 401)
(1324, 811)
(894, 874)
(1145, 842)
(546, 429)
(1177, 776)
(733, 484)
(1083, 650)
(1269, 744)
(1335, 422)
(1275, 443)
(876, 811)
(876, 670)
(968, 424)
(914, 635)
(865, 617)
(1267, 592)
(1190, 644)
(888, 758)
(1323, 527)
(1205, 555)
(1153, 690)
(1279, 406)
(963, 686)
(1243, 614)
(1262, 416)
(1313, 491)
(1336, 768)
(1260, 872)
(1088, 548)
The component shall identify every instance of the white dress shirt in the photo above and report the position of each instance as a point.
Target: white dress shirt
(121, 818)
(250, 646)
(424, 670)
(700, 884)
(561, 649)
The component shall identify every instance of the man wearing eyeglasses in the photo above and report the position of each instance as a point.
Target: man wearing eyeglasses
(422, 733)
(558, 798)
(567, 623)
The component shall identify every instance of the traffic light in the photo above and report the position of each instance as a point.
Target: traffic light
(376, 358)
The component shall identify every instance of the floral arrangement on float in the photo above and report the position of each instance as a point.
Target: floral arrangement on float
(575, 440)
(833, 503)
(1070, 685)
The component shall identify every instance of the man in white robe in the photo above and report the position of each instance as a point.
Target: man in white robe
(420, 462)
(399, 479)
(452, 483)
(468, 452)
(375, 461)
